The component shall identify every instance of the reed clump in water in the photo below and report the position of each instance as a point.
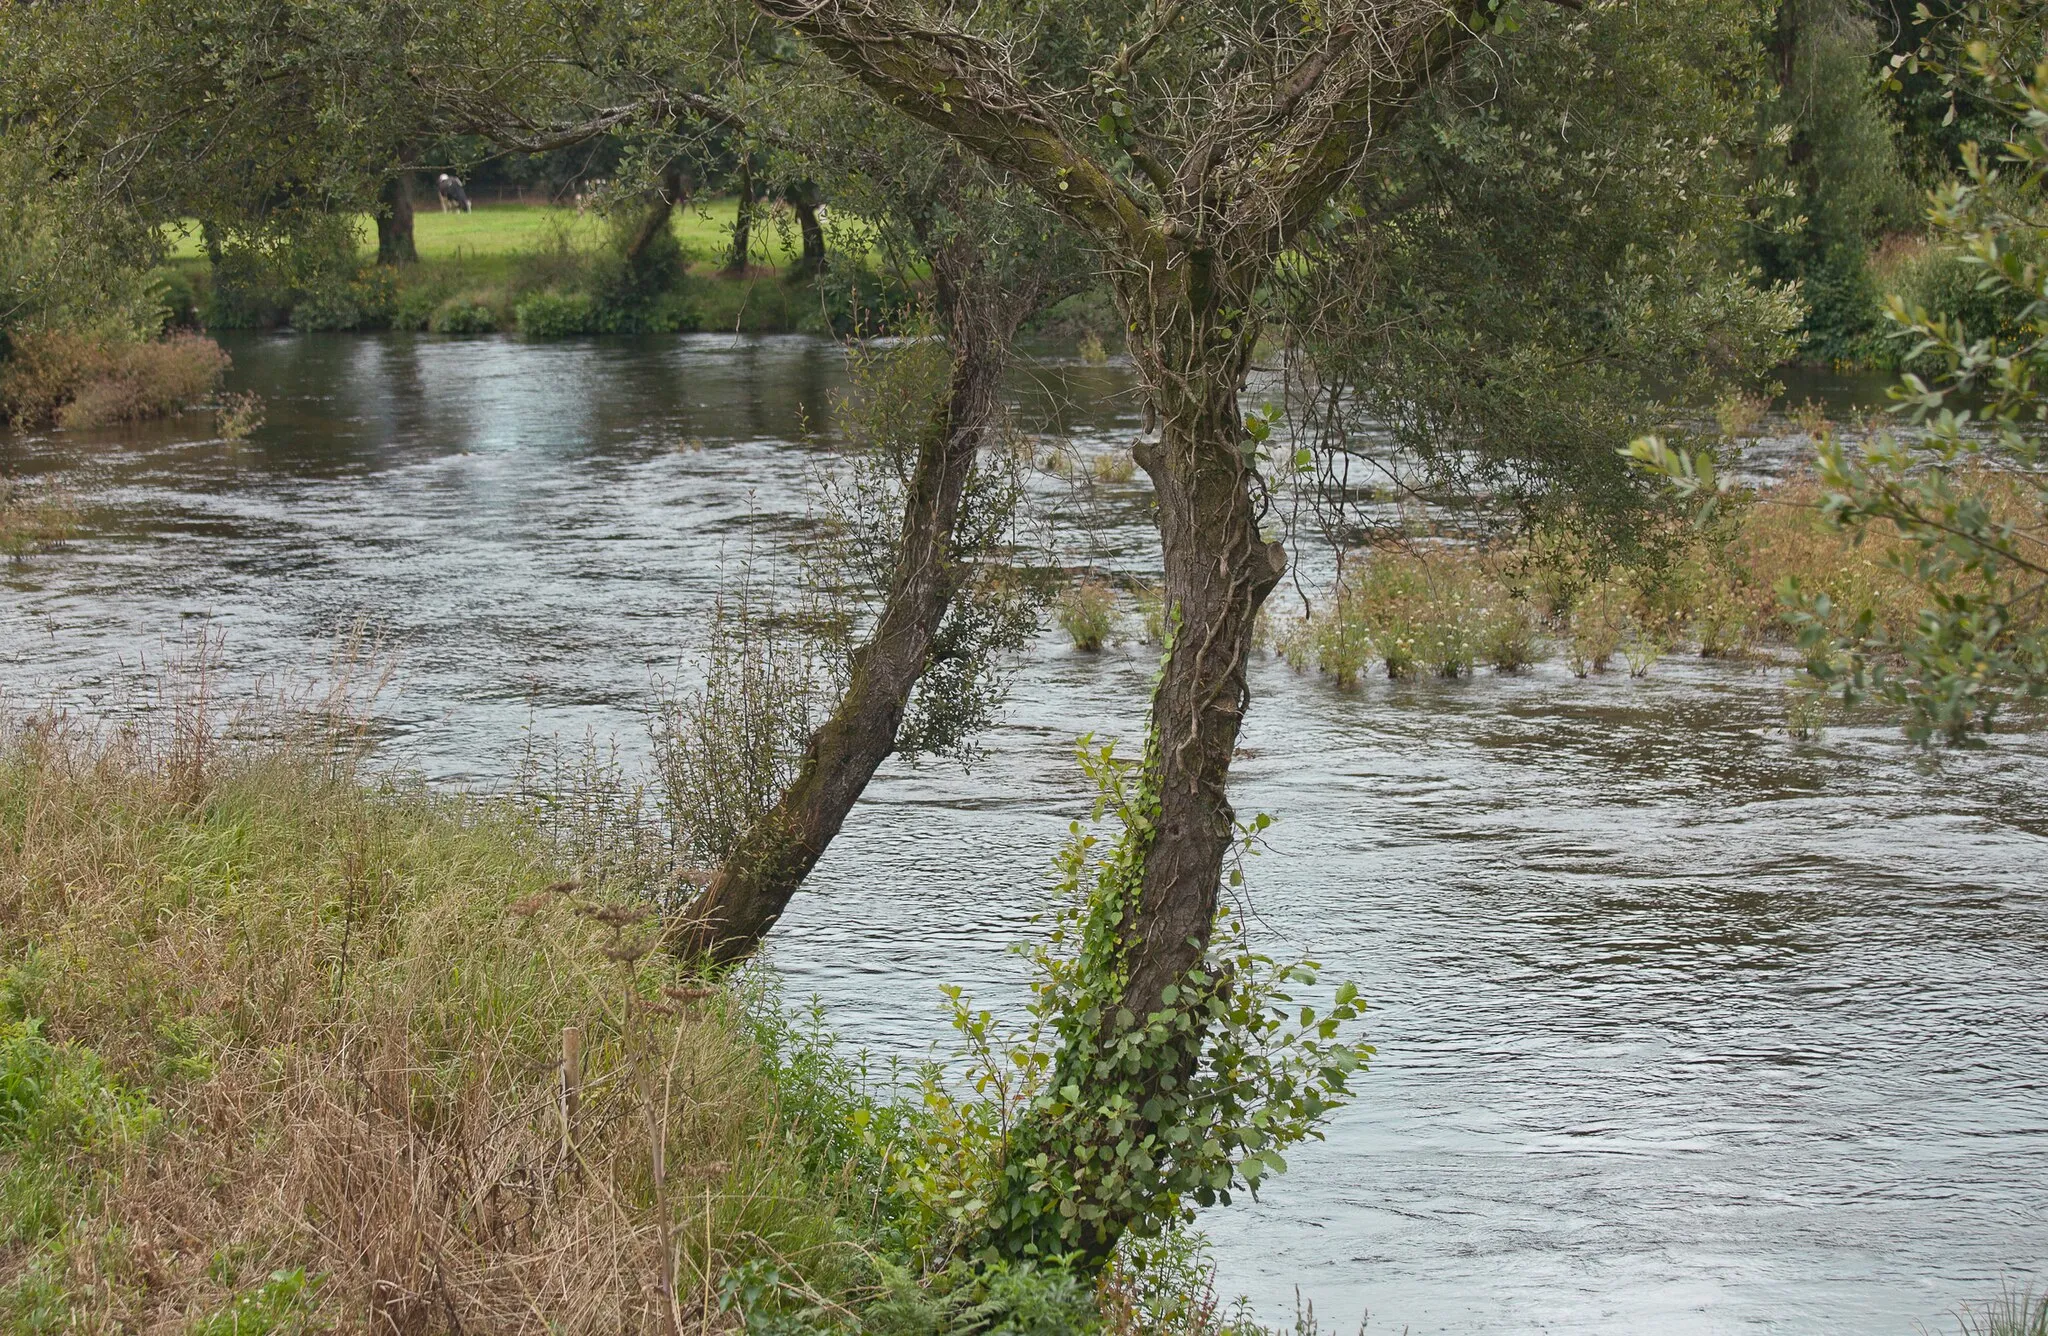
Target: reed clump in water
(1439, 613)
(33, 521)
(1442, 609)
(1086, 611)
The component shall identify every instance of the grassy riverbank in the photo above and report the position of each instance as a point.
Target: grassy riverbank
(540, 270)
(281, 1051)
(287, 1048)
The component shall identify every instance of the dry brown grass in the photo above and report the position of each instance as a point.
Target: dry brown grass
(81, 380)
(350, 1005)
(1441, 607)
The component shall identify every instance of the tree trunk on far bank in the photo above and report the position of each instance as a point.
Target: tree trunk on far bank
(394, 221)
(804, 199)
(661, 207)
(748, 894)
(742, 221)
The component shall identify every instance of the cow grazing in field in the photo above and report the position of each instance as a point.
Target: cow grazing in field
(453, 196)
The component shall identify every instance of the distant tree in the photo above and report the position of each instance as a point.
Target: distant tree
(1965, 486)
(1550, 257)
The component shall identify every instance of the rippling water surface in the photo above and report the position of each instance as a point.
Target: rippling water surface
(1683, 1026)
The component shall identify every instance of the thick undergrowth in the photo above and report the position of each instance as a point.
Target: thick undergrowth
(286, 1047)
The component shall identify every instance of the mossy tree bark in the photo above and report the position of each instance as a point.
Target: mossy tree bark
(395, 243)
(749, 893)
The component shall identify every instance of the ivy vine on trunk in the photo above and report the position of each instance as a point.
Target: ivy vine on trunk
(1190, 142)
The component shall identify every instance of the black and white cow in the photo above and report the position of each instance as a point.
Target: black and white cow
(452, 194)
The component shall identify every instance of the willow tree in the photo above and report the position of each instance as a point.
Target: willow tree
(682, 82)
(1190, 141)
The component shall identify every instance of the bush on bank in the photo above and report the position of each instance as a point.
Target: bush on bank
(311, 277)
(78, 378)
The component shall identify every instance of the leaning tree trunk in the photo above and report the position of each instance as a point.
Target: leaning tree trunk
(394, 221)
(1082, 1171)
(742, 220)
(748, 894)
(1192, 341)
(661, 207)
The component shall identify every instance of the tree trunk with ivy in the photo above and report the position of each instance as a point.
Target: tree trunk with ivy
(1190, 152)
(746, 895)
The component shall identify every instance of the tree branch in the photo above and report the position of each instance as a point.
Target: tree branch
(962, 86)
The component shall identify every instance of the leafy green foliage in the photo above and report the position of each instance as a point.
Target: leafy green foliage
(1829, 167)
(1546, 257)
(1089, 1121)
(1982, 641)
(56, 1097)
(896, 400)
(1967, 489)
(60, 1117)
(464, 313)
(556, 315)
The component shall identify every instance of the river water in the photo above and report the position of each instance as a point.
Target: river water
(1683, 1025)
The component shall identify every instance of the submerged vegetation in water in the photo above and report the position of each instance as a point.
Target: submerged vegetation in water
(1735, 588)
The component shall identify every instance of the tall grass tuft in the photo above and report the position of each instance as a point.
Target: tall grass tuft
(1087, 613)
(287, 1045)
(2014, 1313)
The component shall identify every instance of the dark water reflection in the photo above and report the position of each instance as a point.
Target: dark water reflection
(1682, 1026)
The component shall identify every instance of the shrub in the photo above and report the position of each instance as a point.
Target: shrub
(1087, 613)
(147, 380)
(299, 267)
(30, 521)
(464, 313)
(1596, 626)
(414, 301)
(1444, 610)
(556, 315)
(82, 381)
(1508, 637)
(853, 300)
(176, 297)
(44, 369)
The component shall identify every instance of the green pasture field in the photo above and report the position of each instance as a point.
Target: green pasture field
(498, 232)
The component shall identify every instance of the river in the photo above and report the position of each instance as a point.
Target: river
(1682, 1025)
